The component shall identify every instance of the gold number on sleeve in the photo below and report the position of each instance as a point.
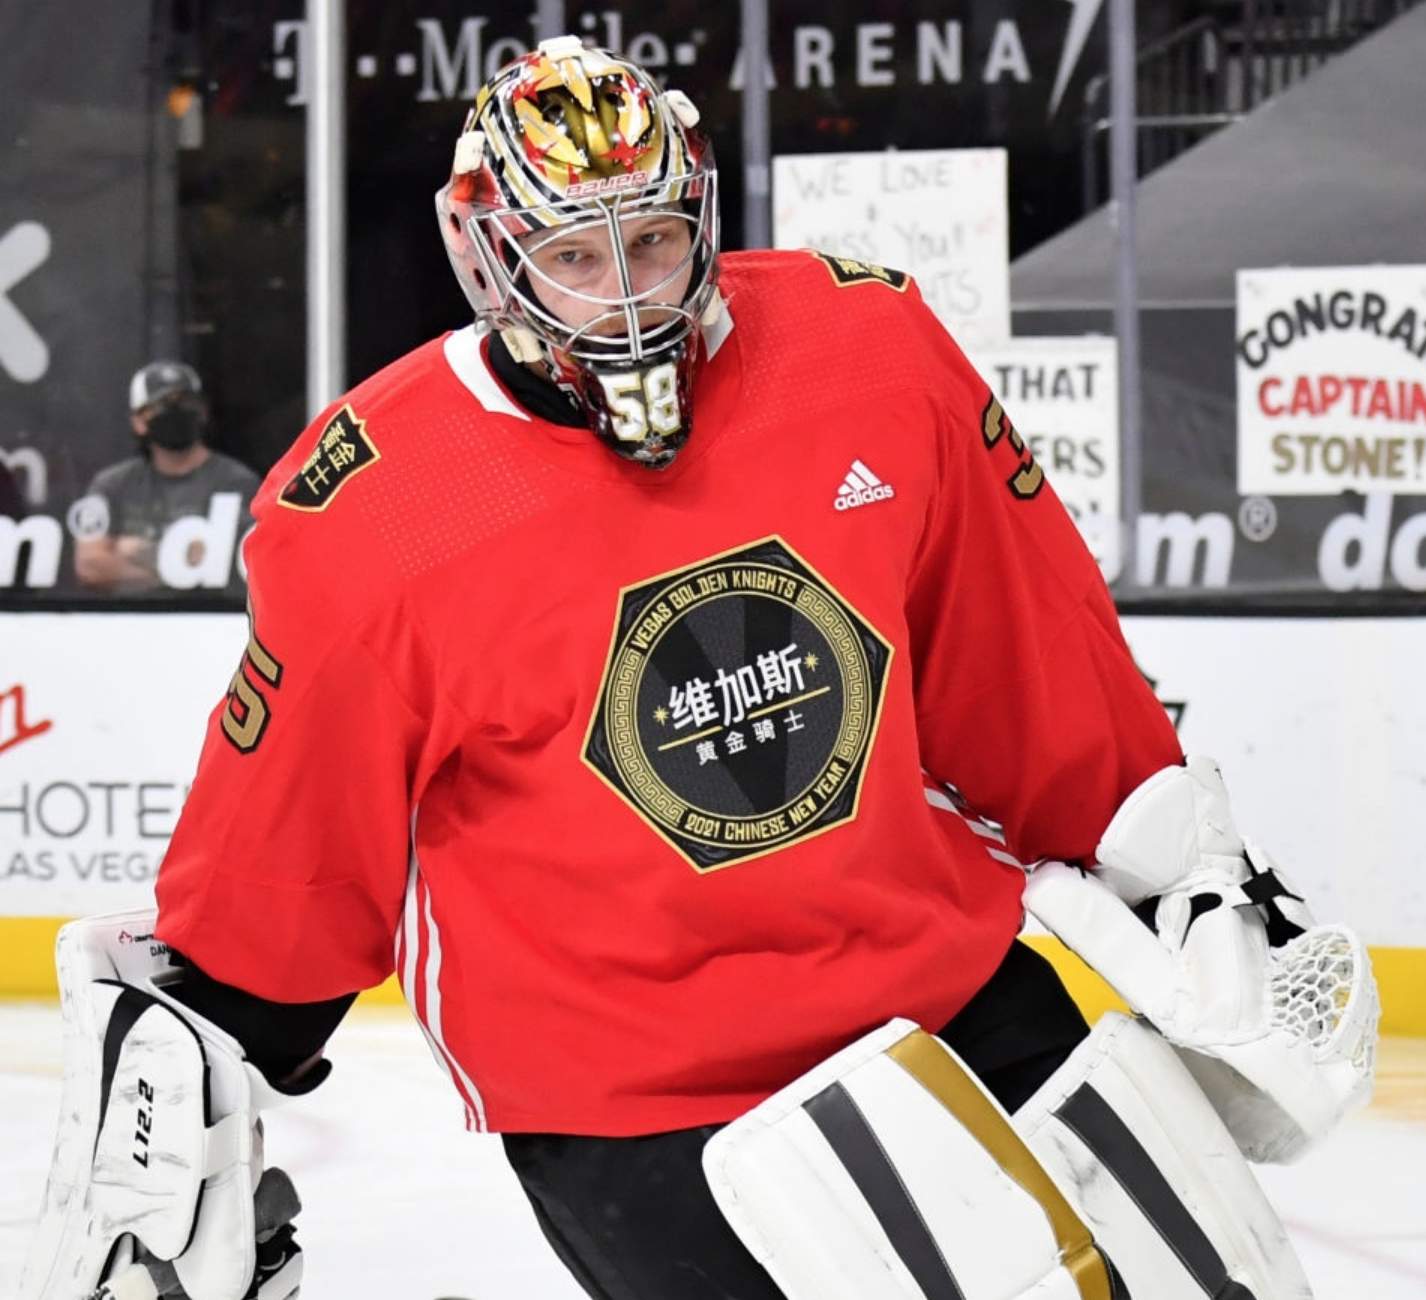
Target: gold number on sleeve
(995, 424)
(246, 713)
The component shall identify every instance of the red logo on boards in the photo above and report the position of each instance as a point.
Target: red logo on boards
(14, 726)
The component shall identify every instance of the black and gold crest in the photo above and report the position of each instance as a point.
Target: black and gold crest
(739, 704)
(848, 271)
(342, 452)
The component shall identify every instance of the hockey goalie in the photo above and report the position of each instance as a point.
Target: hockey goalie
(886, 1172)
(689, 787)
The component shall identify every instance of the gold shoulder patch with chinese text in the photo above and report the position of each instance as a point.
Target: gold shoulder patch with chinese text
(343, 450)
(848, 271)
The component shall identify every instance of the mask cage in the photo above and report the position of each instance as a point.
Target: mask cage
(510, 273)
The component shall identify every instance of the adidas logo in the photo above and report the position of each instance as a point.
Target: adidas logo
(861, 487)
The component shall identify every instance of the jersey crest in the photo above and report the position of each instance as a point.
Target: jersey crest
(739, 704)
(342, 452)
(847, 271)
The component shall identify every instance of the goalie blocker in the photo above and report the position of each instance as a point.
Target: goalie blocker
(888, 1172)
(156, 1187)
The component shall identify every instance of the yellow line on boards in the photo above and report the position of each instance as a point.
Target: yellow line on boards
(27, 971)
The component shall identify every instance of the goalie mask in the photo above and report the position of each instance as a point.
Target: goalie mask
(581, 220)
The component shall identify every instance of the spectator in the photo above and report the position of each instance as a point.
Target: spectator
(120, 523)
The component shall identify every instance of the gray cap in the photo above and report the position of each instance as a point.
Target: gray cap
(161, 379)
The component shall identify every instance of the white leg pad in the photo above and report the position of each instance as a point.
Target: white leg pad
(888, 1173)
(1126, 1131)
(857, 1183)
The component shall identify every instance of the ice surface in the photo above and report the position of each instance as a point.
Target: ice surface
(400, 1203)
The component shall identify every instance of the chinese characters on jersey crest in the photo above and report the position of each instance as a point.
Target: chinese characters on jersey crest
(739, 704)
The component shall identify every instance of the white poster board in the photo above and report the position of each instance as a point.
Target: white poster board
(939, 214)
(1062, 394)
(1332, 380)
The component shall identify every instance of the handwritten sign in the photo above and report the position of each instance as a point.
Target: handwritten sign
(1332, 380)
(939, 214)
(1063, 395)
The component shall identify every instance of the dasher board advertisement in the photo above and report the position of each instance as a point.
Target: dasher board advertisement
(101, 721)
(1319, 726)
(1320, 737)
(1332, 380)
(940, 215)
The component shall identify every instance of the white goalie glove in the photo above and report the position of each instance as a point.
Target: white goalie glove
(1275, 1016)
(157, 1187)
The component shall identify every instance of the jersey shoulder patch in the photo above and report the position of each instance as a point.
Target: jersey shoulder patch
(343, 450)
(847, 271)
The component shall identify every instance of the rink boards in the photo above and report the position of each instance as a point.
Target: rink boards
(1319, 724)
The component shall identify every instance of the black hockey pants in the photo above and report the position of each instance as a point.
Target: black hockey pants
(633, 1219)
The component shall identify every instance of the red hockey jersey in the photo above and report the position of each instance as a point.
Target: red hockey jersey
(639, 779)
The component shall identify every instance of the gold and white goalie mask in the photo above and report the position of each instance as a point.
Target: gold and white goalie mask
(581, 220)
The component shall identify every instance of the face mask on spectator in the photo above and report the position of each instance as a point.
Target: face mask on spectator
(175, 428)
